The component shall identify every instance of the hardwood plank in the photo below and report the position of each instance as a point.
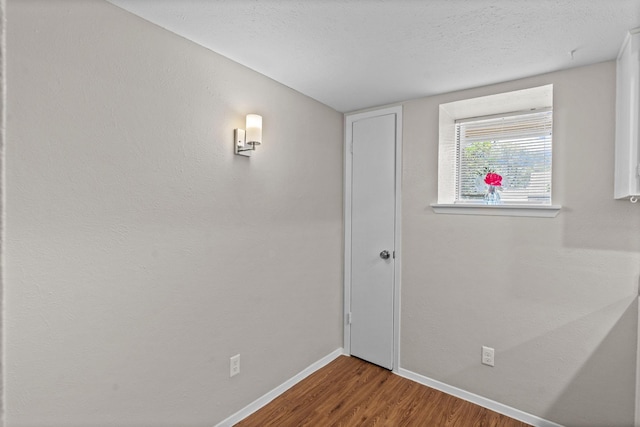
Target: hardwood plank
(350, 392)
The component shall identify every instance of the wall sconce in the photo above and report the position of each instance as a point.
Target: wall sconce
(246, 140)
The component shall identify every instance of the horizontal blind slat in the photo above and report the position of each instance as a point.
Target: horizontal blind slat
(517, 147)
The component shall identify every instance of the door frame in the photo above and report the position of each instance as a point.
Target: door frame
(349, 119)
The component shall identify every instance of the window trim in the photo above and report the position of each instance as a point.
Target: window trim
(540, 211)
(499, 104)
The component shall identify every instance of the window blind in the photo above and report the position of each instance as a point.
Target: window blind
(515, 146)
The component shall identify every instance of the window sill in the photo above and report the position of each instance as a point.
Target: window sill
(497, 210)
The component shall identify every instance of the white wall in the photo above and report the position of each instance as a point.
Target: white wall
(556, 298)
(140, 252)
(135, 266)
(3, 93)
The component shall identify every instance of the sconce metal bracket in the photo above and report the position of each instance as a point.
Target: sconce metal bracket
(240, 146)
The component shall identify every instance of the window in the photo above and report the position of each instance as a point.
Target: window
(495, 155)
(516, 147)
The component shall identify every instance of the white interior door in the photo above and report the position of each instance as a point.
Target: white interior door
(373, 222)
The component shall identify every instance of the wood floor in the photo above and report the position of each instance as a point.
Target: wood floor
(350, 392)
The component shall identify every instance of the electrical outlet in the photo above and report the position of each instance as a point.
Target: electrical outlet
(488, 355)
(234, 365)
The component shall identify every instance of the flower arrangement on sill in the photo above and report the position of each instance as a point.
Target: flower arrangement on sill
(494, 183)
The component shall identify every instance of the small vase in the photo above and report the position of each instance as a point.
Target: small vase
(491, 197)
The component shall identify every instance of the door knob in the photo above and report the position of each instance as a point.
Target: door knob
(385, 254)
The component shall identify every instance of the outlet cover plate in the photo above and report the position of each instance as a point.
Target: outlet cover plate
(234, 365)
(488, 356)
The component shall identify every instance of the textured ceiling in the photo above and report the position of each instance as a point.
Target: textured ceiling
(354, 54)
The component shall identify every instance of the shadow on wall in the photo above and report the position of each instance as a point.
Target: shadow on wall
(591, 351)
(609, 363)
(612, 225)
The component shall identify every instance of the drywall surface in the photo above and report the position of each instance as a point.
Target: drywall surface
(141, 252)
(352, 54)
(556, 298)
(3, 93)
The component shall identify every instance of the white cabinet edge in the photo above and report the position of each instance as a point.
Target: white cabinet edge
(627, 139)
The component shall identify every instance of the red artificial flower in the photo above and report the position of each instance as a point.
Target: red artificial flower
(493, 179)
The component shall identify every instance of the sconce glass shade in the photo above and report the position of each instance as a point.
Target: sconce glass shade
(254, 129)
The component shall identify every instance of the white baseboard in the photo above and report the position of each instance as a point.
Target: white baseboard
(478, 400)
(262, 401)
(435, 384)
